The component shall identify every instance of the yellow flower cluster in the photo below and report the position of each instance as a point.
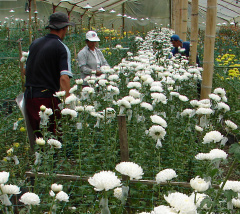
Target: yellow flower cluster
(234, 72)
(227, 59)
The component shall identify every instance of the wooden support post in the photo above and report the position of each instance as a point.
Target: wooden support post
(122, 126)
(123, 19)
(184, 19)
(123, 138)
(177, 16)
(194, 32)
(209, 42)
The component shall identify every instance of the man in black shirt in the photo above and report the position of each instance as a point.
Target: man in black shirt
(48, 70)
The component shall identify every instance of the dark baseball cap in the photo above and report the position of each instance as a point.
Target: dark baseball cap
(175, 37)
(59, 20)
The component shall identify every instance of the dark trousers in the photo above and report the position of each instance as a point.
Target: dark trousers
(33, 108)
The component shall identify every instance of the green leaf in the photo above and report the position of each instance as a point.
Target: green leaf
(235, 149)
(229, 194)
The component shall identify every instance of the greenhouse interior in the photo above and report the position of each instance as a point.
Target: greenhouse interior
(120, 106)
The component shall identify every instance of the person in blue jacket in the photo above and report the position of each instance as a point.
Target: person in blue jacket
(179, 44)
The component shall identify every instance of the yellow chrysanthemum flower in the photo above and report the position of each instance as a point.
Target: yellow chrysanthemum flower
(22, 129)
(16, 145)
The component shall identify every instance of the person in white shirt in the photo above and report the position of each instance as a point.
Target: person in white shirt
(90, 58)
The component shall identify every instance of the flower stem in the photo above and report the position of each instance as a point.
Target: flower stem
(223, 184)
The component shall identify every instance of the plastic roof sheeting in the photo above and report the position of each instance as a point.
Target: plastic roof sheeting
(227, 10)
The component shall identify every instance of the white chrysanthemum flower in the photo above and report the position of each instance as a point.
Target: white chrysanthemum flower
(230, 124)
(202, 156)
(4, 177)
(236, 202)
(118, 193)
(159, 97)
(71, 98)
(217, 153)
(194, 103)
(56, 187)
(89, 108)
(62, 196)
(67, 111)
(199, 184)
(188, 112)
(231, 185)
(88, 90)
(102, 82)
(79, 108)
(10, 189)
(113, 77)
(165, 175)
(198, 197)
(220, 91)
(79, 81)
(162, 209)
(30, 198)
(134, 93)
(183, 98)
(213, 136)
(223, 106)
(119, 46)
(147, 106)
(157, 132)
(104, 180)
(214, 97)
(158, 120)
(54, 143)
(73, 89)
(181, 202)
(60, 94)
(40, 141)
(43, 108)
(136, 85)
(198, 128)
(174, 94)
(133, 170)
(113, 90)
(204, 111)
(124, 103)
(51, 193)
(156, 89)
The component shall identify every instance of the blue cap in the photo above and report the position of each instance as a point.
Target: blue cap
(175, 37)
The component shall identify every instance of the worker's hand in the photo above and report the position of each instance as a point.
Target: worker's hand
(98, 73)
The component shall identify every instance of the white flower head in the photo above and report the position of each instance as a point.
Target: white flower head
(4, 177)
(204, 111)
(159, 97)
(220, 91)
(60, 94)
(188, 112)
(134, 93)
(214, 97)
(183, 98)
(118, 193)
(158, 120)
(165, 175)
(213, 136)
(133, 170)
(231, 124)
(181, 202)
(198, 128)
(55, 143)
(104, 180)
(56, 187)
(231, 185)
(236, 202)
(71, 98)
(40, 141)
(79, 81)
(223, 106)
(67, 111)
(10, 189)
(62, 196)
(29, 198)
(199, 184)
(73, 89)
(157, 132)
(147, 106)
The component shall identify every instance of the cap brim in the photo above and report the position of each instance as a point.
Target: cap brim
(59, 25)
(94, 40)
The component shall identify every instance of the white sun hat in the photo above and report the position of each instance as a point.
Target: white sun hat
(92, 36)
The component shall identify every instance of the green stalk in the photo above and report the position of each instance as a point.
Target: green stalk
(224, 182)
